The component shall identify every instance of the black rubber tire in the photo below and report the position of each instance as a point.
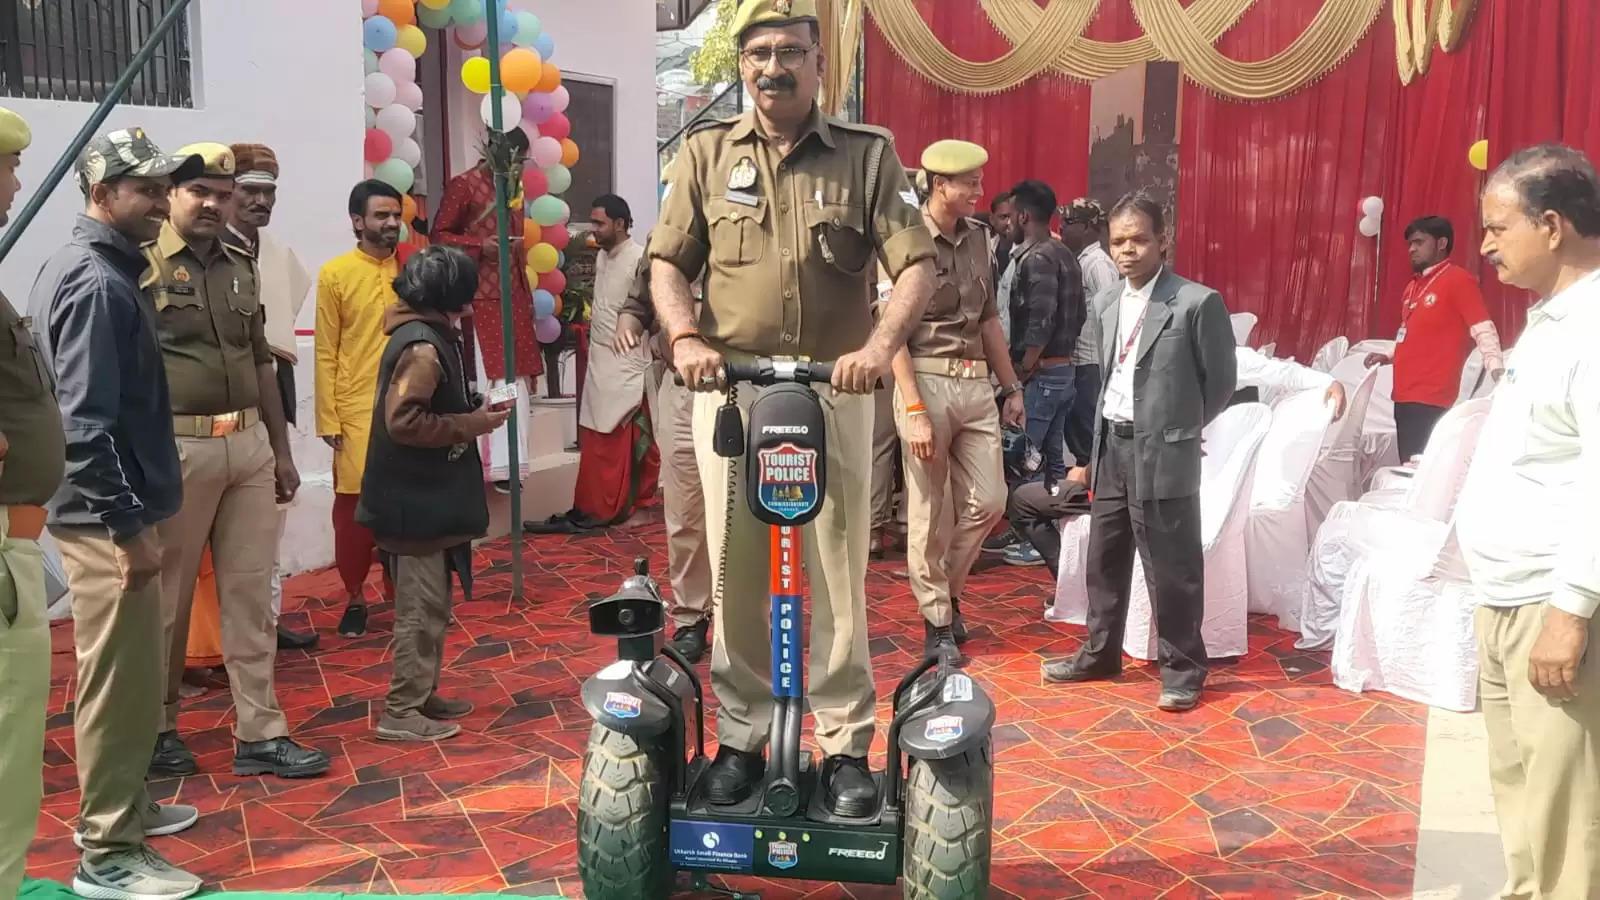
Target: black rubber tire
(949, 827)
(622, 820)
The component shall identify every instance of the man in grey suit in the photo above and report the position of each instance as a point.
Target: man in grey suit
(1167, 345)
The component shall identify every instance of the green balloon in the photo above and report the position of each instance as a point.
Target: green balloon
(560, 178)
(428, 17)
(396, 174)
(546, 210)
(369, 61)
(465, 12)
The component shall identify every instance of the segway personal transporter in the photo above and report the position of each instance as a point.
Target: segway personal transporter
(642, 814)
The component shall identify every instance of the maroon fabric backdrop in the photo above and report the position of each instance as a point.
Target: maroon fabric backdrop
(1269, 192)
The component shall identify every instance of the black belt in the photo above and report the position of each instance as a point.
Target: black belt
(1120, 429)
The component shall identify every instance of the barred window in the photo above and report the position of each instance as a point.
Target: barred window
(76, 49)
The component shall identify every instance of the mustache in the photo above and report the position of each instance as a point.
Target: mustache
(1495, 260)
(778, 83)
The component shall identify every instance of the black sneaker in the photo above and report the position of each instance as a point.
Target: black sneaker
(172, 758)
(281, 757)
(353, 623)
(690, 640)
(1000, 542)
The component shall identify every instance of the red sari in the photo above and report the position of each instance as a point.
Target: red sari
(466, 219)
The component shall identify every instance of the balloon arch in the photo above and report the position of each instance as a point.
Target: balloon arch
(394, 38)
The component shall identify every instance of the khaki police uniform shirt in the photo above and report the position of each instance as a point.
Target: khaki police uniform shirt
(33, 465)
(963, 295)
(212, 326)
(788, 243)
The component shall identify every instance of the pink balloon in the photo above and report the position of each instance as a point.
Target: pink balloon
(409, 95)
(534, 184)
(557, 127)
(538, 108)
(546, 152)
(547, 329)
(529, 129)
(473, 34)
(378, 146)
(561, 99)
(369, 8)
(398, 64)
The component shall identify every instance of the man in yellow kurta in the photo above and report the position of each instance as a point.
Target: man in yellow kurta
(353, 291)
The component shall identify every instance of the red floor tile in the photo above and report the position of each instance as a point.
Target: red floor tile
(1280, 785)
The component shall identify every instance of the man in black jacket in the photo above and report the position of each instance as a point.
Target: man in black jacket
(97, 333)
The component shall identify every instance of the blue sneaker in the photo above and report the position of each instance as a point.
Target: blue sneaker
(1023, 555)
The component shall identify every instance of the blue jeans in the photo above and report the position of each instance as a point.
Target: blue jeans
(1080, 423)
(1048, 401)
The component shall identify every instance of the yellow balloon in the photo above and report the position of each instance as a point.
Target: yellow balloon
(475, 75)
(412, 40)
(436, 4)
(1478, 155)
(543, 258)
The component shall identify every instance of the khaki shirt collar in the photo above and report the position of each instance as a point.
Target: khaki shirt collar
(748, 127)
(170, 243)
(964, 228)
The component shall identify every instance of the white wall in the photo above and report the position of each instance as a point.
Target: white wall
(609, 40)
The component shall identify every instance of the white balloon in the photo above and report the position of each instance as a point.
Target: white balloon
(510, 111)
(398, 121)
(380, 90)
(408, 151)
(1372, 207)
(1369, 226)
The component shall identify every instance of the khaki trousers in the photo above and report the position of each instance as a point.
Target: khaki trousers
(1544, 761)
(839, 671)
(24, 697)
(683, 500)
(953, 499)
(885, 443)
(229, 500)
(117, 636)
(421, 614)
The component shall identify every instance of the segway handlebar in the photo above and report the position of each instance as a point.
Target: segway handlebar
(764, 371)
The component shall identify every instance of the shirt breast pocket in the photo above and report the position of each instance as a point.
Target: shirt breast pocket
(837, 230)
(244, 296)
(20, 358)
(738, 232)
(180, 312)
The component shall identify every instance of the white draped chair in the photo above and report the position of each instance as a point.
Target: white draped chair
(1277, 537)
(1385, 527)
(1371, 345)
(1475, 383)
(1331, 353)
(1379, 447)
(1269, 349)
(1243, 324)
(1230, 444)
(1337, 474)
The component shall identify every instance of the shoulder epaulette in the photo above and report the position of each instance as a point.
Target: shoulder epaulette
(862, 128)
(707, 124)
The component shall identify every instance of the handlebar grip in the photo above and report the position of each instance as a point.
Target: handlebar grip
(767, 371)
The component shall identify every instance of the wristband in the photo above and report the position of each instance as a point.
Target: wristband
(683, 335)
(916, 408)
(913, 413)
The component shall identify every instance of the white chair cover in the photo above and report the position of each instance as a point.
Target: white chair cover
(1362, 348)
(1276, 537)
(1072, 590)
(1384, 522)
(1331, 353)
(1378, 448)
(1269, 349)
(1231, 443)
(1337, 474)
(1243, 324)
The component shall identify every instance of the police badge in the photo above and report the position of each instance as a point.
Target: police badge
(782, 7)
(743, 175)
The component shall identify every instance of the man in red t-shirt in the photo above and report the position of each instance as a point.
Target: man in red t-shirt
(1441, 316)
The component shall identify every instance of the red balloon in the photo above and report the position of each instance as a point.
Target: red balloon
(534, 183)
(553, 281)
(558, 127)
(556, 236)
(378, 147)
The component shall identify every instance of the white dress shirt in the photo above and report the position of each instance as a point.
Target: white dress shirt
(1275, 379)
(1527, 516)
(1132, 306)
(1099, 273)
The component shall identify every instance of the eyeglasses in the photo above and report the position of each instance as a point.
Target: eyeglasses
(788, 57)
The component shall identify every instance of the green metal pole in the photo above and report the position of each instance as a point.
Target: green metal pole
(502, 198)
(13, 233)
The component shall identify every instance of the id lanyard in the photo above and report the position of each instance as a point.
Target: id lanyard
(1413, 298)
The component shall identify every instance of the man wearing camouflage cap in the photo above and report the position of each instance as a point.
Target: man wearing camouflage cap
(99, 340)
(234, 446)
(785, 209)
(31, 448)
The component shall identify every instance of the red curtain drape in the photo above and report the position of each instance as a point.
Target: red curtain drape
(1269, 192)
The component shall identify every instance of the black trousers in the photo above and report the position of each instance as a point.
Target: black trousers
(1080, 424)
(1166, 535)
(1413, 425)
(286, 391)
(1035, 512)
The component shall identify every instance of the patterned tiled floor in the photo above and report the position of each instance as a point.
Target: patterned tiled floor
(1279, 786)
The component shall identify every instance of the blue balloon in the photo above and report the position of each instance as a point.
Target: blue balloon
(378, 34)
(508, 26)
(546, 45)
(544, 304)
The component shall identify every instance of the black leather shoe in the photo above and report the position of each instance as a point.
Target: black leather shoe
(850, 790)
(294, 640)
(172, 758)
(941, 640)
(1066, 671)
(733, 776)
(958, 625)
(281, 757)
(1178, 699)
(690, 640)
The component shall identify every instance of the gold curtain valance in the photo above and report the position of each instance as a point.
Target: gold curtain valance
(1051, 39)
